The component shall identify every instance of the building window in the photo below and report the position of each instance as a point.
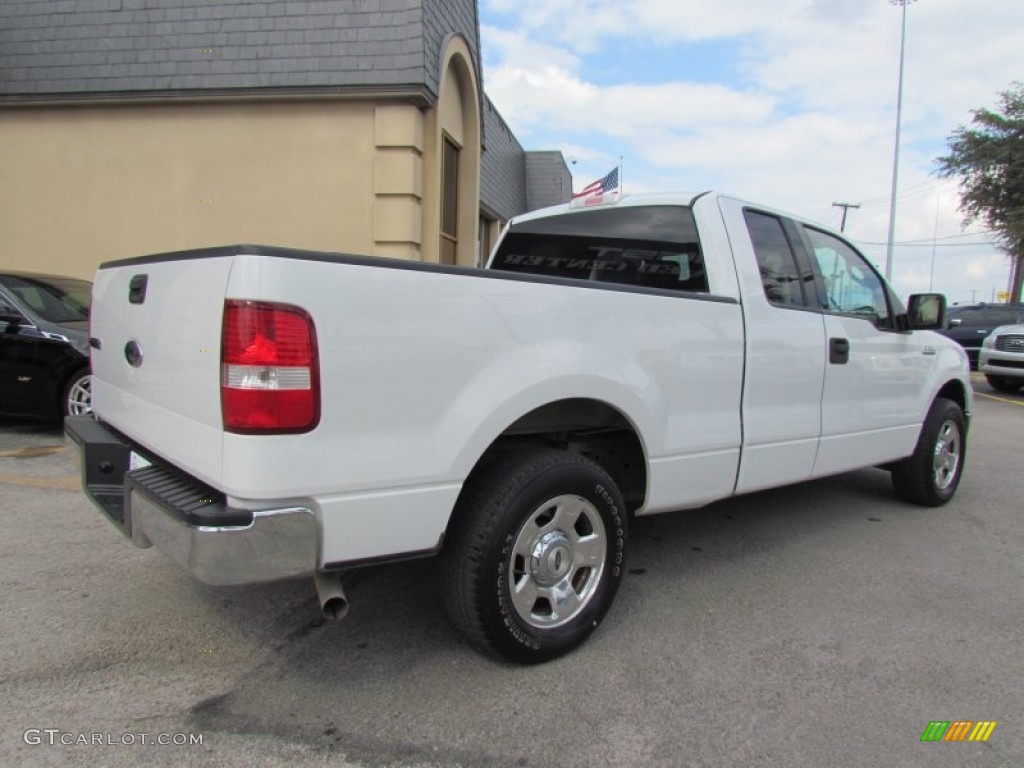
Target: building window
(449, 201)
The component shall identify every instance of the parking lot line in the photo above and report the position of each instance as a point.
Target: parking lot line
(1000, 399)
(32, 451)
(54, 483)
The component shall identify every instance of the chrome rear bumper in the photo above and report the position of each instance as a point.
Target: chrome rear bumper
(188, 521)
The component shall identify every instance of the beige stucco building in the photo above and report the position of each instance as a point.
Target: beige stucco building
(349, 125)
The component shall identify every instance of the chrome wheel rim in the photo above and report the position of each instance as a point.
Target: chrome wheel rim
(557, 561)
(946, 461)
(80, 397)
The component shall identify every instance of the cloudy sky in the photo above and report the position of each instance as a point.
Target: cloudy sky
(790, 103)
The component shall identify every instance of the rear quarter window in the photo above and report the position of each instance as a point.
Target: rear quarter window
(642, 246)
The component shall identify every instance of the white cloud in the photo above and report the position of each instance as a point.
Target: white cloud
(513, 48)
(797, 109)
(583, 24)
(985, 267)
(558, 99)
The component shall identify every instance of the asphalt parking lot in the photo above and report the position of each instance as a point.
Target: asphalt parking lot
(820, 625)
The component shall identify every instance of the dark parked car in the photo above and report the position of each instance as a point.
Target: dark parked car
(44, 345)
(969, 324)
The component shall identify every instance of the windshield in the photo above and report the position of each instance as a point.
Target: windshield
(56, 300)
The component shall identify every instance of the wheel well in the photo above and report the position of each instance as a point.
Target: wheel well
(954, 390)
(590, 428)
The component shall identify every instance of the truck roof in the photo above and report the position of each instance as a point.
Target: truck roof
(614, 201)
(662, 198)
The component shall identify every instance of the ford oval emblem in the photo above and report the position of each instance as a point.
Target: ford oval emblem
(133, 354)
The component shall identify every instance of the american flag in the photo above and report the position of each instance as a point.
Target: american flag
(608, 183)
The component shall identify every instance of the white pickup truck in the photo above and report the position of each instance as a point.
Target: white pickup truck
(264, 413)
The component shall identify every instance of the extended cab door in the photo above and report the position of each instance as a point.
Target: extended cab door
(785, 349)
(876, 375)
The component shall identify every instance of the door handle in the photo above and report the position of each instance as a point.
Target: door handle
(839, 351)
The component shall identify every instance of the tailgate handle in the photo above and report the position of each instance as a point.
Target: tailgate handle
(137, 289)
(839, 351)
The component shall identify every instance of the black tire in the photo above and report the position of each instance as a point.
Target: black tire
(76, 399)
(563, 509)
(931, 475)
(1001, 384)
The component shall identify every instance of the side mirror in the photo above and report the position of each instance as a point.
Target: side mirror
(926, 311)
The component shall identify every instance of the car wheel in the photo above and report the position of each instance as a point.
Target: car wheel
(931, 475)
(78, 395)
(1000, 384)
(534, 555)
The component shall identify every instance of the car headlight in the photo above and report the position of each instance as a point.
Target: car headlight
(989, 342)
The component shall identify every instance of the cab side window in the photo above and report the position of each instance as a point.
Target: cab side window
(775, 260)
(852, 286)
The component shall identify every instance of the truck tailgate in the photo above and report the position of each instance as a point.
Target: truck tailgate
(155, 332)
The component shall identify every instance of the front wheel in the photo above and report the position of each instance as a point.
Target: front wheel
(1001, 384)
(931, 475)
(535, 554)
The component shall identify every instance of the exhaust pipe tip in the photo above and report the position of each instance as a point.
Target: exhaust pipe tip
(335, 608)
(331, 593)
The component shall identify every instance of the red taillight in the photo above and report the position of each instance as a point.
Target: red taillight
(269, 379)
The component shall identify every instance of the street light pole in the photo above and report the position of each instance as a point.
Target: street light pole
(896, 151)
(935, 240)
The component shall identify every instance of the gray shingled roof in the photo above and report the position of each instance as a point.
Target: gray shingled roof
(55, 48)
(502, 167)
(548, 181)
(513, 181)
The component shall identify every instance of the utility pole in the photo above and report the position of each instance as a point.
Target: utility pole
(846, 207)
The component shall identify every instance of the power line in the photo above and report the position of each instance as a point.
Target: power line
(913, 189)
(949, 237)
(926, 244)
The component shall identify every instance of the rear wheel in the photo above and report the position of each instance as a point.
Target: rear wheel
(77, 400)
(1001, 384)
(535, 554)
(931, 475)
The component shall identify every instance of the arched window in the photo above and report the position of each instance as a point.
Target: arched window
(452, 216)
(449, 201)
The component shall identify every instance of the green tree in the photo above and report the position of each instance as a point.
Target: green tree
(988, 158)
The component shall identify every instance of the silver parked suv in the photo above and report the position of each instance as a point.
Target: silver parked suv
(1001, 358)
